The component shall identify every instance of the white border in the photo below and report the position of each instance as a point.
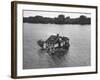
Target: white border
(21, 72)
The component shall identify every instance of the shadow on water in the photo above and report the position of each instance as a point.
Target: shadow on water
(42, 51)
(58, 54)
(58, 58)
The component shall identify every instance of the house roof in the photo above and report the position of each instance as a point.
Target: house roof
(54, 39)
(65, 38)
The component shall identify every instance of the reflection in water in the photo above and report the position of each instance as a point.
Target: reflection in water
(59, 57)
(56, 58)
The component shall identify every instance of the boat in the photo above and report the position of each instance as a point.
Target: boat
(55, 43)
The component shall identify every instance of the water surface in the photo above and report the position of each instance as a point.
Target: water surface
(77, 55)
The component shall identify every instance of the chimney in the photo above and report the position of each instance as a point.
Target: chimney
(57, 35)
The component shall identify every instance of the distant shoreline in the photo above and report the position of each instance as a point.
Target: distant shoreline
(61, 19)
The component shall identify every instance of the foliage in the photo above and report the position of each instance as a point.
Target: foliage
(61, 19)
(40, 43)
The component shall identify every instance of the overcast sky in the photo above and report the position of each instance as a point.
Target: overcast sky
(28, 13)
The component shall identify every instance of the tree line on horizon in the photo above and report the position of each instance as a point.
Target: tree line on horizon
(61, 19)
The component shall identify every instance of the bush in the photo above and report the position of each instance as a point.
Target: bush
(40, 43)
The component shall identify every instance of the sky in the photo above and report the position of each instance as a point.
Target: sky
(52, 14)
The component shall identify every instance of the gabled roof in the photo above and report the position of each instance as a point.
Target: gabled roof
(54, 39)
(65, 38)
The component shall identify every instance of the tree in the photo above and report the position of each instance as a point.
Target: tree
(83, 19)
(40, 43)
(60, 19)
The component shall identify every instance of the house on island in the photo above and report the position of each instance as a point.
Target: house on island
(56, 42)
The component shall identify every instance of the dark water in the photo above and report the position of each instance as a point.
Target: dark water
(77, 55)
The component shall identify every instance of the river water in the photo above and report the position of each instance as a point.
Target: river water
(77, 55)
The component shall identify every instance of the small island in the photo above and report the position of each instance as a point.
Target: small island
(54, 43)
